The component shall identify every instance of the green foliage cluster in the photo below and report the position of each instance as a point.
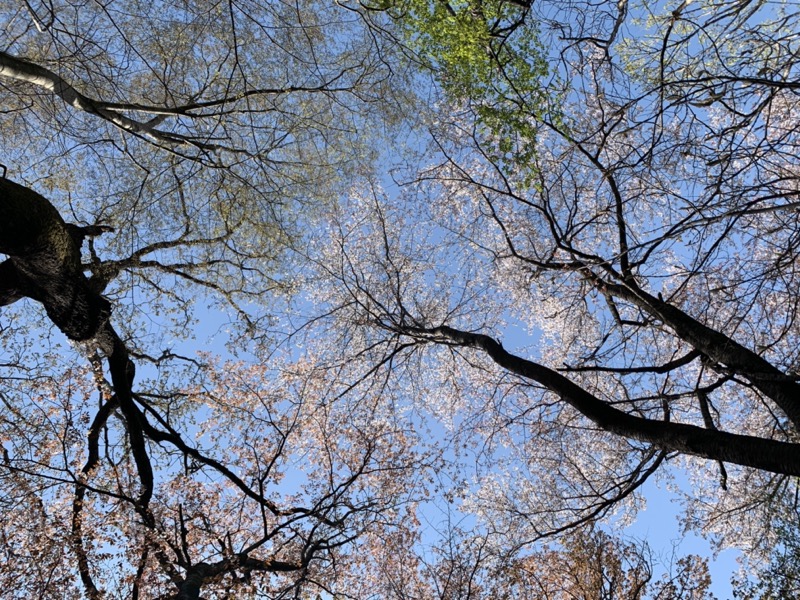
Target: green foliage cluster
(486, 54)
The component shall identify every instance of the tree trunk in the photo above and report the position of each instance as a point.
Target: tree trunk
(44, 263)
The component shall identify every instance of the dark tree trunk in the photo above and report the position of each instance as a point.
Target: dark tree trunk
(44, 263)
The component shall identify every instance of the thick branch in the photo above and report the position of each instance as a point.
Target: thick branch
(23, 70)
(720, 348)
(745, 450)
(19, 69)
(122, 371)
(203, 573)
(44, 263)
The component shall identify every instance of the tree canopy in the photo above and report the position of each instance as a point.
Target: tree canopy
(485, 268)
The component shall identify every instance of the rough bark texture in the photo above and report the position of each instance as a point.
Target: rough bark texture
(44, 263)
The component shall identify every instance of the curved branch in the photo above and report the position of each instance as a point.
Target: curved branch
(45, 265)
(720, 348)
(749, 451)
(202, 573)
(23, 70)
(19, 69)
